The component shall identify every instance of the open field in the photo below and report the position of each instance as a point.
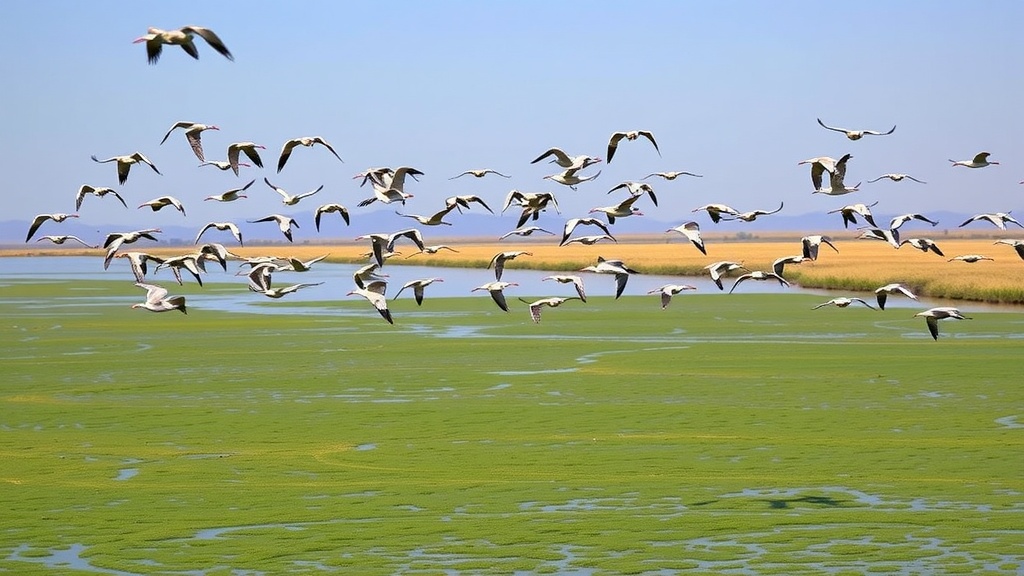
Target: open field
(861, 265)
(759, 437)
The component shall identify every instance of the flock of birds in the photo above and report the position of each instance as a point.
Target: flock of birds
(388, 186)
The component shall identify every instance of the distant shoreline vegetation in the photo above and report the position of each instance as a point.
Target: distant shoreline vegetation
(860, 265)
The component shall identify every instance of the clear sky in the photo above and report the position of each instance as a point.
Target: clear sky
(731, 90)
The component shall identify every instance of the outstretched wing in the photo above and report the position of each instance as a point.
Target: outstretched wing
(211, 38)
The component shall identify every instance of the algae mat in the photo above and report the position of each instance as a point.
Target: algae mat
(745, 434)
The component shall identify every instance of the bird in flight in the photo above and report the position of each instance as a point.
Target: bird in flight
(979, 161)
(308, 141)
(613, 142)
(933, 316)
(124, 164)
(193, 132)
(156, 38)
(896, 177)
(856, 134)
(480, 173)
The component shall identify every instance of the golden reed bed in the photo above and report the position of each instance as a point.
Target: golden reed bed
(859, 265)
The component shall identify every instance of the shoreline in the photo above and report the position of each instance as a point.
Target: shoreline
(859, 265)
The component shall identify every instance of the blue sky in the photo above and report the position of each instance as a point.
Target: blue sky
(731, 90)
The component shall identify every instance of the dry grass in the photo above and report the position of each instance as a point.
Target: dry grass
(859, 265)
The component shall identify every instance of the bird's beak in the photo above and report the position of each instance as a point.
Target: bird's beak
(139, 39)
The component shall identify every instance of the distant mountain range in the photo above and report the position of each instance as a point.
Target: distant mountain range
(479, 225)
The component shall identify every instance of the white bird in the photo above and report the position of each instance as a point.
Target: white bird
(615, 267)
(753, 214)
(215, 251)
(193, 132)
(1017, 245)
(64, 238)
(837, 186)
(896, 178)
(480, 173)
(460, 202)
(329, 209)
(499, 259)
(851, 211)
(496, 290)
(289, 199)
(223, 164)
(374, 294)
(889, 236)
(715, 211)
(98, 192)
(532, 203)
(188, 262)
(389, 185)
(307, 141)
(589, 240)
(970, 258)
(857, 134)
(138, 262)
(668, 291)
(38, 221)
(620, 210)
(717, 270)
(435, 219)
(124, 164)
(296, 265)
(923, 244)
(637, 189)
(779, 265)
(222, 226)
(282, 292)
(157, 203)
(613, 142)
(536, 305)
(417, 288)
(933, 316)
(565, 161)
(231, 195)
(671, 175)
(156, 38)
(381, 243)
(576, 281)
(572, 223)
(249, 149)
(819, 166)
(284, 223)
(157, 299)
(999, 219)
(525, 231)
(115, 240)
(385, 196)
(367, 274)
(692, 232)
(979, 161)
(811, 243)
(433, 250)
(570, 179)
(902, 219)
(759, 276)
(843, 302)
(882, 293)
(389, 178)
